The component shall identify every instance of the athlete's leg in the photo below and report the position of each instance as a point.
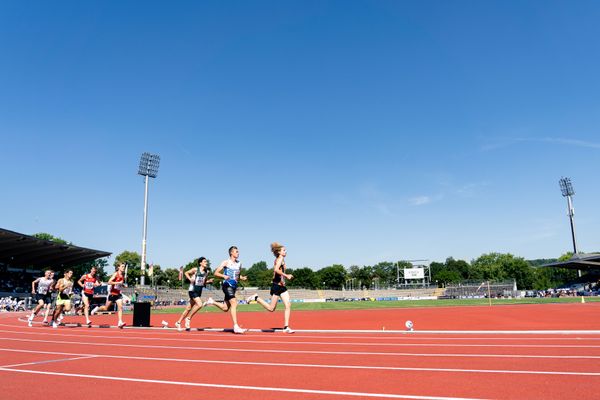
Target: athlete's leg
(57, 311)
(185, 312)
(66, 309)
(37, 308)
(197, 306)
(120, 312)
(86, 308)
(269, 307)
(47, 311)
(285, 297)
(105, 307)
(233, 306)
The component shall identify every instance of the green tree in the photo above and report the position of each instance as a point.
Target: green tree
(304, 278)
(363, 276)
(386, 273)
(451, 271)
(171, 278)
(134, 262)
(259, 274)
(332, 277)
(502, 267)
(50, 238)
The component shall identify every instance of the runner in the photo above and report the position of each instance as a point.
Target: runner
(278, 289)
(231, 273)
(197, 277)
(41, 294)
(88, 282)
(117, 281)
(52, 294)
(64, 287)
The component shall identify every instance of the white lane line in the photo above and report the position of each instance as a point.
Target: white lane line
(241, 387)
(460, 332)
(325, 343)
(296, 365)
(351, 353)
(405, 332)
(48, 361)
(173, 332)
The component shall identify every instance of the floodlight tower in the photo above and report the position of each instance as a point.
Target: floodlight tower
(148, 169)
(567, 191)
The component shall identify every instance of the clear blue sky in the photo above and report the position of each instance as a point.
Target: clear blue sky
(352, 131)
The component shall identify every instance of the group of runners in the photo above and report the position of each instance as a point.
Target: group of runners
(229, 270)
(43, 287)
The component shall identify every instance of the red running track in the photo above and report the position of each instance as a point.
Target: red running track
(166, 364)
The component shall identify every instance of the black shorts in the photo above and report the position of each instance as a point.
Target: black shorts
(88, 295)
(195, 293)
(46, 297)
(114, 297)
(229, 291)
(277, 290)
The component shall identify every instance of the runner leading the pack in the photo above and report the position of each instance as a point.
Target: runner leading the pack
(278, 288)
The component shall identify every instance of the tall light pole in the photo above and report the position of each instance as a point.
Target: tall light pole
(567, 191)
(148, 169)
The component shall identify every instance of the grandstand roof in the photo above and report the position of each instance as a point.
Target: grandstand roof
(578, 261)
(20, 250)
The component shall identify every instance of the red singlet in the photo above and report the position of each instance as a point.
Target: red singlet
(88, 283)
(116, 286)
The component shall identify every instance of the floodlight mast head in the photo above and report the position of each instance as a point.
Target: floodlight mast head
(149, 165)
(566, 187)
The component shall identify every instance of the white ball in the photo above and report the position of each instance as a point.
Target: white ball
(409, 325)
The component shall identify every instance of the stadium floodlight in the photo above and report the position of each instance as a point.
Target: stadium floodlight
(566, 188)
(149, 165)
(148, 169)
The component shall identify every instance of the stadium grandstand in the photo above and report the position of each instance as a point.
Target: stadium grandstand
(24, 257)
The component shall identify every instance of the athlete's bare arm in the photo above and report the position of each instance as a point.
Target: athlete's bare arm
(33, 285)
(111, 281)
(279, 271)
(218, 273)
(189, 274)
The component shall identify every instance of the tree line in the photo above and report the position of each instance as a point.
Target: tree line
(490, 266)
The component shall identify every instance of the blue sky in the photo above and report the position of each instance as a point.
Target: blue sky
(352, 131)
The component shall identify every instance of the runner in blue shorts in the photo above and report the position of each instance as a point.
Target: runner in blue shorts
(230, 271)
